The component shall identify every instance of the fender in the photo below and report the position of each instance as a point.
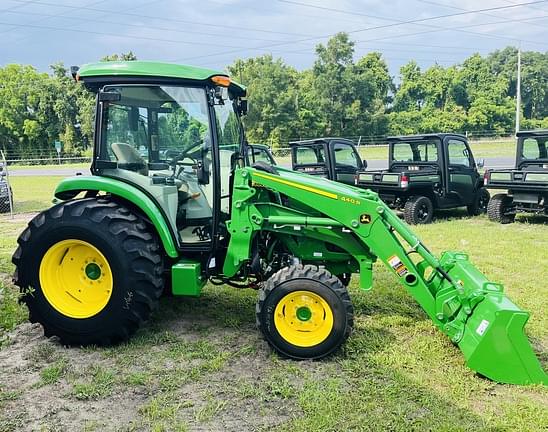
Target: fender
(69, 187)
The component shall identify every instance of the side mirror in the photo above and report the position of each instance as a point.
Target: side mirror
(243, 106)
(364, 164)
(480, 163)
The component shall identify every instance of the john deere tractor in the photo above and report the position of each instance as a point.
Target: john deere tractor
(175, 201)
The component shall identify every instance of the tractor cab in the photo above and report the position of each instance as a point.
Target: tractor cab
(176, 139)
(333, 158)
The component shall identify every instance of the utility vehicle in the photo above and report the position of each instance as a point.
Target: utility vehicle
(92, 267)
(259, 153)
(526, 185)
(428, 172)
(333, 158)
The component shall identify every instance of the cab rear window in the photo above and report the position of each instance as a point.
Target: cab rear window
(415, 151)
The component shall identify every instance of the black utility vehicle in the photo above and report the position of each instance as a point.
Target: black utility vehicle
(259, 153)
(427, 172)
(526, 184)
(333, 158)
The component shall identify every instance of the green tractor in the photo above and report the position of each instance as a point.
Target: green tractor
(174, 201)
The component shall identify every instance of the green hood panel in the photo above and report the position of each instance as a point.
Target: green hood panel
(69, 187)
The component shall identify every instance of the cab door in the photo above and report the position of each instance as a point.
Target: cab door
(461, 171)
(346, 162)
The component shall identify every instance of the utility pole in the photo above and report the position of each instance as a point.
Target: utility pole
(518, 90)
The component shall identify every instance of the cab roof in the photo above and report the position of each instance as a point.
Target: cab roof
(131, 71)
(538, 132)
(317, 141)
(439, 135)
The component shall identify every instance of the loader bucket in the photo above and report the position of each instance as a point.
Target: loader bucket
(495, 345)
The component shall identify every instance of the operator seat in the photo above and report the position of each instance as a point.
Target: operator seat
(129, 158)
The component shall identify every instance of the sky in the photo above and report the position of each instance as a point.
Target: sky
(213, 33)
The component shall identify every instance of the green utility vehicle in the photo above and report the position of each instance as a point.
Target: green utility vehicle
(429, 172)
(92, 268)
(332, 158)
(526, 185)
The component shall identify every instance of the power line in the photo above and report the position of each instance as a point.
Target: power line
(94, 20)
(456, 28)
(528, 7)
(41, 20)
(463, 9)
(167, 19)
(396, 24)
(176, 41)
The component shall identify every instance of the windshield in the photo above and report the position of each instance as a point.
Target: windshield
(534, 148)
(154, 124)
(415, 151)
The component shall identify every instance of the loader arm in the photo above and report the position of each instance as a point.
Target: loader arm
(474, 312)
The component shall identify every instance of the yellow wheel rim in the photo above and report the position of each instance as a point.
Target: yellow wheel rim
(76, 278)
(303, 318)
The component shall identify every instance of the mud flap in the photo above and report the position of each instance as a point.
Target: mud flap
(495, 345)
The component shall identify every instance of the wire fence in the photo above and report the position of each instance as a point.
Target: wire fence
(38, 157)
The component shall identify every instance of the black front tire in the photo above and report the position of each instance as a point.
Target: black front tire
(497, 209)
(418, 210)
(319, 284)
(131, 249)
(481, 201)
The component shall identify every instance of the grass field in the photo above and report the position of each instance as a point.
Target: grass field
(200, 364)
(33, 193)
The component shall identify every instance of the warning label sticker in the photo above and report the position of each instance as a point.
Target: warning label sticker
(397, 265)
(482, 327)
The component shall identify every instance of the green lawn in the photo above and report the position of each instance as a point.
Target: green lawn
(33, 193)
(200, 365)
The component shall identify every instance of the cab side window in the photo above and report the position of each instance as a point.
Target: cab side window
(345, 155)
(458, 153)
(260, 155)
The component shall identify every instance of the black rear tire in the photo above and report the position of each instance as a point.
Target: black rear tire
(131, 250)
(418, 210)
(345, 278)
(321, 287)
(497, 209)
(481, 200)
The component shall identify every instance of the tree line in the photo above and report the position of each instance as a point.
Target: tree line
(338, 96)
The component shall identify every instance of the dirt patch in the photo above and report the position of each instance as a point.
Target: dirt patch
(175, 374)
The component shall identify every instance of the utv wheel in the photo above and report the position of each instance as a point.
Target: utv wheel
(479, 206)
(90, 271)
(304, 312)
(497, 209)
(418, 210)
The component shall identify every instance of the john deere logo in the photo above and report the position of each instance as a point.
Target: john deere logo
(365, 218)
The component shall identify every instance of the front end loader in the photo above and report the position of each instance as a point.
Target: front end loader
(173, 201)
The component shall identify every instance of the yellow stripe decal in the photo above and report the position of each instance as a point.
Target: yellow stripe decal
(297, 185)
